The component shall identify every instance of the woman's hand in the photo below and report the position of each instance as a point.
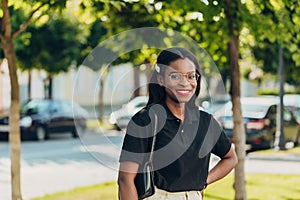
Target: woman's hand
(223, 167)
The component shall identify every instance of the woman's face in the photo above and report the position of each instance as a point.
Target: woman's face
(179, 80)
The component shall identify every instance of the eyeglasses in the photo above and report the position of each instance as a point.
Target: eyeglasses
(191, 77)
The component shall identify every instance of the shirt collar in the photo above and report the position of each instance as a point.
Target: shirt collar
(192, 112)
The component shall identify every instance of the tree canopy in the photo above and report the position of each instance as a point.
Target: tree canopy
(274, 23)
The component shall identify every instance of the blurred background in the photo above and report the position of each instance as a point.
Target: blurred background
(49, 66)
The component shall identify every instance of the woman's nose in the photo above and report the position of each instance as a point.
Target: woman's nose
(184, 81)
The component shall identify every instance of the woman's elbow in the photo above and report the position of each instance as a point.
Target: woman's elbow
(235, 160)
(127, 173)
(232, 157)
(120, 180)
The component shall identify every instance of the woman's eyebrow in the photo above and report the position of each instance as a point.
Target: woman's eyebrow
(181, 72)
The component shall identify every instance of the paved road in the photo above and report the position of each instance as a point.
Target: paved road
(63, 163)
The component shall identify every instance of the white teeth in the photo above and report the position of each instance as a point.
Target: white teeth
(183, 91)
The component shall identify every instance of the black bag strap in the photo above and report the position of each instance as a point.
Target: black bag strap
(154, 137)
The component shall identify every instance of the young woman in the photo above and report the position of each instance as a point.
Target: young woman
(185, 139)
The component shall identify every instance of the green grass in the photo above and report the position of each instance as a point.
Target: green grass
(105, 191)
(271, 152)
(95, 124)
(258, 186)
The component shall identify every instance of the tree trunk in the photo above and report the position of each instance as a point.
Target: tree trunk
(29, 85)
(14, 116)
(50, 83)
(14, 132)
(101, 98)
(136, 82)
(148, 72)
(238, 130)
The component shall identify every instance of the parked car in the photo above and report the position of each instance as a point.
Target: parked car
(121, 117)
(213, 104)
(259, 116)
(293, 102)
(40, 118)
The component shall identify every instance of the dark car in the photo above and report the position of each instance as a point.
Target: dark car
(259, 116)
(40, 118)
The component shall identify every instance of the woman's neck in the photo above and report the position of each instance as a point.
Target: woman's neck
(177, 109)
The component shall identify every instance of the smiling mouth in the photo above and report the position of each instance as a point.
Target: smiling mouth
(183, 92)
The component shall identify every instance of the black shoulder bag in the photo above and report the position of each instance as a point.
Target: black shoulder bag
(144, 180)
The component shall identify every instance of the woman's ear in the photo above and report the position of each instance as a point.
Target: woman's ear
(160, 80)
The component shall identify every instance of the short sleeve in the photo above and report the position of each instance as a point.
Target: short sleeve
(223, 144)
(137, 138)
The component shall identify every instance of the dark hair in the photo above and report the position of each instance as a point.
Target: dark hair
(156, 92)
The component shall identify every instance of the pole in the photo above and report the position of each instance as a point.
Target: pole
(279, 143)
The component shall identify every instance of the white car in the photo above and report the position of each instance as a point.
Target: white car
(293, 102)
(120, 118)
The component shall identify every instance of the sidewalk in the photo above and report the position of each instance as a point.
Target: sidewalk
(286, 155)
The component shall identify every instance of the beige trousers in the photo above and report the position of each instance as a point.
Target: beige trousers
(164, 195)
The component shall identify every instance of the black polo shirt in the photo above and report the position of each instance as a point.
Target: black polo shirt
(182, 148)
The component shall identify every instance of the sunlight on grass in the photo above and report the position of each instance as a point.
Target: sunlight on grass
(105, 191)
(259, 187)
(293, 151)
(95, 124)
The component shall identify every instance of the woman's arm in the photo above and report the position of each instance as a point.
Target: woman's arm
(127, 173)
(223, 167)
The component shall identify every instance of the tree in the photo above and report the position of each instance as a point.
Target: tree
(234, 22)
(130, 16)
(204, 22)
(7, 37)
(61, 48)
(17, 17)
(281, 17)
(56, 53)
(180, 16)
(126, 15)
(96, 34)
